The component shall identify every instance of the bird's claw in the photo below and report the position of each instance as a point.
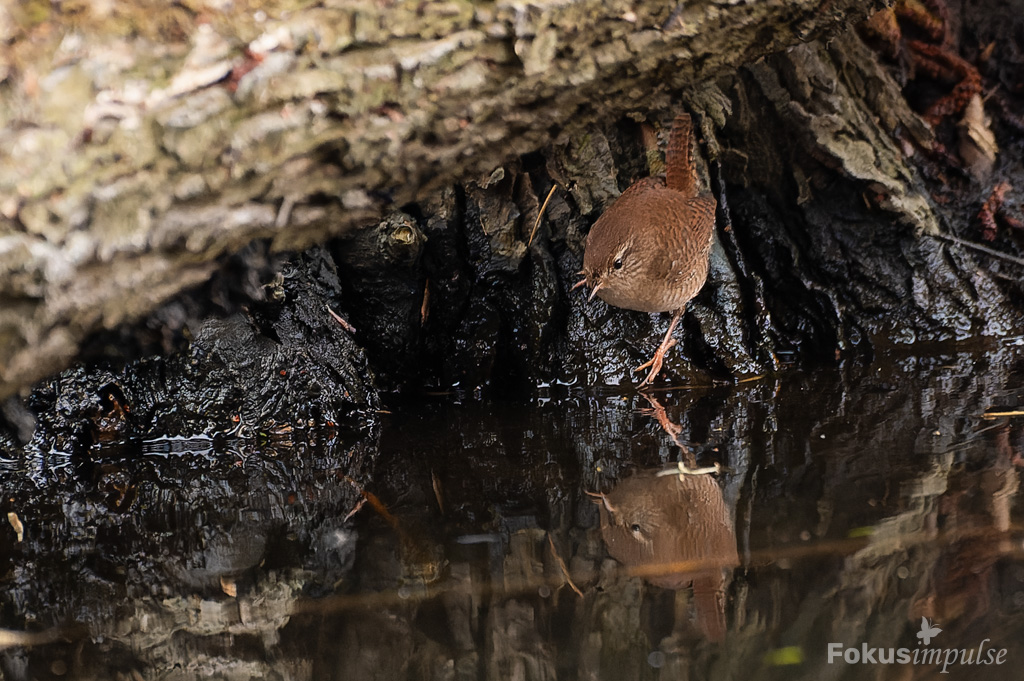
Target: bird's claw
(655, 363)
(682, 469)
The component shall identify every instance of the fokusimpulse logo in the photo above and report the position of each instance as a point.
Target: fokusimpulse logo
(947, 657)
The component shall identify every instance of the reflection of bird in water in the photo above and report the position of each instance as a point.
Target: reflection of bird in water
(649, 250)
(673, 430)
(675, 530)
(658, 412)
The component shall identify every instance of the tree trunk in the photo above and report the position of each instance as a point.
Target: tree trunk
(844, 210)
(142, 143)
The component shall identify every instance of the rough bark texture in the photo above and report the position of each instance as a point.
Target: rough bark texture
(143, 143)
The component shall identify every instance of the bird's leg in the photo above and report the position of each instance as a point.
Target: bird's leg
(658, 412)
(659, 355)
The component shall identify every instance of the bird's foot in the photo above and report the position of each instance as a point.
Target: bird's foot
(682, 469)
(655, 362)
(659, 413)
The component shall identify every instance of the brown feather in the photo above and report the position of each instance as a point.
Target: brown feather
(664, 239)
(680, 172)
(649, 250)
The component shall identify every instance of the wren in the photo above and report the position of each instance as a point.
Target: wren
(676, 530)
(649, 251)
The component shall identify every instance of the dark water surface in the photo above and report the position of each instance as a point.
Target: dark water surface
(865, 524)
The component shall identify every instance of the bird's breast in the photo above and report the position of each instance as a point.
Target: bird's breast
(668, 237)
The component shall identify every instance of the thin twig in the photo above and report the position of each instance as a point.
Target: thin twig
(829, 549)
(425, 305)
(10, 638)
(355, 509)
(436, 482)
(565, 570)
(978, 247)
(376, 504)
(345, 325)
(540, 214)
(989, 415)
(285, 212)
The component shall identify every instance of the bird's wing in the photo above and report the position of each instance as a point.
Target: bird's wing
(701, 222)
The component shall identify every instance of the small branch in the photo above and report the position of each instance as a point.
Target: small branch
(978, 247)
(540, 214)
(345, 325)
(989, 415)
(565, 570)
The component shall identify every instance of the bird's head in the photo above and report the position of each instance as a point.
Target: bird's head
(609, 266)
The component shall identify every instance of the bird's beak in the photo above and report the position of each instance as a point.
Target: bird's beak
(593, 291)
(601, 500)
(583, 281)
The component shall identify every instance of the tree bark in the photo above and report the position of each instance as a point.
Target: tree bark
(143, 143)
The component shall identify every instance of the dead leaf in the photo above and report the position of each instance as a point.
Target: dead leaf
(15, 522)
(978, 146)
(228, 586)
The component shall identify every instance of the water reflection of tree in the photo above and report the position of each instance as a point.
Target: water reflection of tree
(929, 514)
(946, 556)
(975, 517)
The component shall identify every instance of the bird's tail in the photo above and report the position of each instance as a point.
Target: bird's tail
(681, 174)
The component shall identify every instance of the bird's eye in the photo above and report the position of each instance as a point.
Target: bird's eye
(635, 528)
(618, 263)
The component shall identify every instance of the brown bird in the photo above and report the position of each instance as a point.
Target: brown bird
(674, 528)
(649, 250)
